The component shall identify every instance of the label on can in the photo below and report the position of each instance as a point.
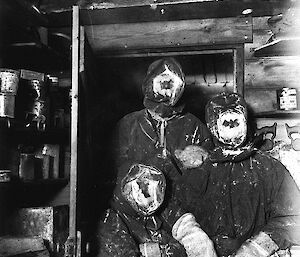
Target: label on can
(287, 99)
(5, 175)
(9, 80)
(7, 105)
(31, 75)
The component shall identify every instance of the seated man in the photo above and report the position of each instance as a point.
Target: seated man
(245, 200)
(141, 223)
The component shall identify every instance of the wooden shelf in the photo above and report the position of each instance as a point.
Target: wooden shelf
(35, 56)
(278, 114)
(18, 132)
(44, 182)
(36, 183)
(29, 135)
(33, 193)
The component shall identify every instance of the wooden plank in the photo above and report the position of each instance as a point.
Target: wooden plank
(285, 46)
(74, 123)
(151, 35)
(273, 72)
(119, 11)
(261, 34)
(261, 100)
(10, 246)
(238, 73)
(159, 52)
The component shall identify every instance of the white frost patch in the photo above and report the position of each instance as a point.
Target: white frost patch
(149, 201)
(291, 160)
(167, 84)
(227, 152)
(232, 127)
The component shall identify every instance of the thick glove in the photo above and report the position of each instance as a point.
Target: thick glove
(150, 249)
(260, 245)
(195, 241)
(192, 156)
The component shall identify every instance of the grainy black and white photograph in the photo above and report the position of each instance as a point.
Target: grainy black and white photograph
(149, 128)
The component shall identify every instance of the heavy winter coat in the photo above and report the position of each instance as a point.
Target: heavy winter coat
(123, 228)
(240, 191)
(152, 135)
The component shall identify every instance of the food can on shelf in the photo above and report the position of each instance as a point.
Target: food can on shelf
(37, 90)
(287, 99)
(7, 105)
(5, 175)
(9, 80)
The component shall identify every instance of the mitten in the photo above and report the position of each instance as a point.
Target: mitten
(195, 241)
(260, 245)
(150, 249)
(192, 156)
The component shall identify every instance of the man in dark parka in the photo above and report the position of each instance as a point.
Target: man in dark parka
(152, 135)
(245, 200)
(141, 223)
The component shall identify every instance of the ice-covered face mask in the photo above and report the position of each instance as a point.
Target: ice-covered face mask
(144, 188)
(168, 85)
(232, 128)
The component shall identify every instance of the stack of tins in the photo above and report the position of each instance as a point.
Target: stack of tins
(9, 80)
(32, 99)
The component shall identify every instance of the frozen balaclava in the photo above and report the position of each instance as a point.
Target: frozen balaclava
(163, 86)
(226, 117)
(144, 188)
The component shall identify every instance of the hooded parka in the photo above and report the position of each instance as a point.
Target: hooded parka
(141, 223)
(152, 135)
(127, 225)
(245, 200)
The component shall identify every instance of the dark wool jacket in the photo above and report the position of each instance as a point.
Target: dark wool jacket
(234, 200)
(123, 228)
(240, 191)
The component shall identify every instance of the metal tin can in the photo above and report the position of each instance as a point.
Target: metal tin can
(7, 105)
(9, 80)
(48, 222)
(287, 99)
(37, 113)
(26, 166)
(38, 90)
(5, 175)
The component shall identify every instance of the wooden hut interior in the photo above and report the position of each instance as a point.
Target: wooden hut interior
(105, 47)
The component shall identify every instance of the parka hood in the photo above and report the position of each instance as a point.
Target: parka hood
(141, 190)
(226, 118)
(163, 86)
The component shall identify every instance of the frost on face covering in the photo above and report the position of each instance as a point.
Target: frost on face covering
(168, 85)
(144, 188)
(232, 128)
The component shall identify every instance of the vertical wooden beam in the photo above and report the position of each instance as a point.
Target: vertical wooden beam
(238, 69)
(74, 123)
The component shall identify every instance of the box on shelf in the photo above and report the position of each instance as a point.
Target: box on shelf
(42, 163)
(12, 246)
(49, 223)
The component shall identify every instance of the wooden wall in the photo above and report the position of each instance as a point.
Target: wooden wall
(263, 76)
(266, 74)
